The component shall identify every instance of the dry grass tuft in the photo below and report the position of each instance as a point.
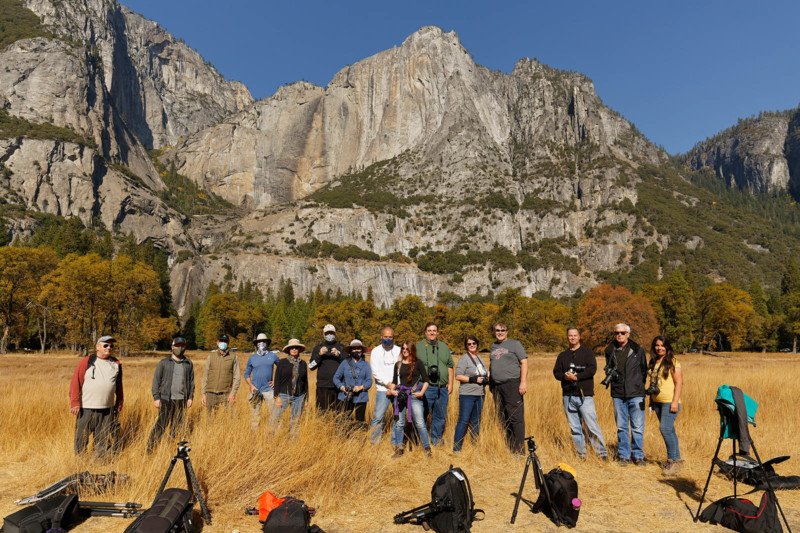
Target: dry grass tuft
(358, 487)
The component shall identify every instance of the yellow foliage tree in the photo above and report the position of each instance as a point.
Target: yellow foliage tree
(726, 314)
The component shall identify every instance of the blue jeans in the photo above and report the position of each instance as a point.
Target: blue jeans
(418, 416)
(667, 423)
(469, 414)
(436, 404)
(629, 414)
(297, 403)
(578, 409)
(382, 403)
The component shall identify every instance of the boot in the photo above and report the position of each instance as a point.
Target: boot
(428, 453)
(398, 452)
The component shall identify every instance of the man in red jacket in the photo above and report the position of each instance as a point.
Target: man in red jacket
(95, 397)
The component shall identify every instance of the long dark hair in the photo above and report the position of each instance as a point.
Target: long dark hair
(669, 359)
(412, 354)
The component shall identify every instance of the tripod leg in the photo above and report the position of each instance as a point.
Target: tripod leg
(166, 478)
(521, 487)
(191, 480)
(734, 467)
(708, 479)
(771, 490)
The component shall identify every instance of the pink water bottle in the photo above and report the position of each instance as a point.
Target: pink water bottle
(576, 503)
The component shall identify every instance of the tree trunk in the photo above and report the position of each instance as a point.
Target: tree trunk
(794, 345)
(4, 340)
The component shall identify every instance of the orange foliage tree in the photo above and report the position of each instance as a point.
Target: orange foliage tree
(607, 305)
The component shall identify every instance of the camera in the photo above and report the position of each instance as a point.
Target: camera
(652, 390)
(576, 368)
(348, 394)
(433, 374)
(531, 444)
(612, 375)
(402, 397)
(183, 449)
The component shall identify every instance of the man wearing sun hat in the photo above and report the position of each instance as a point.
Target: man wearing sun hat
(258, 375)
(325, 359)
(95, 397)
(221, 376)
(291, 382)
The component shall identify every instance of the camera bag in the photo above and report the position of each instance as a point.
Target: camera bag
(55, 512)
(171, 512)
(291, 516)
(451, 499)
(740, 514)
(562, 487)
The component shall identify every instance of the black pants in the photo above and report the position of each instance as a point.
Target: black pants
(326, 399)
(356, 410)
(169, 414)
(97, 422)
(511, 410)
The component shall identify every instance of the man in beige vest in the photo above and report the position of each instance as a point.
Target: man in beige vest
(221, 376)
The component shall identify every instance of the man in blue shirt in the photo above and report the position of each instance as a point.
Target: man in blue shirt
(258, 374)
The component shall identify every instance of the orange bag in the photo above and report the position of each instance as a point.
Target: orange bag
(266, 503)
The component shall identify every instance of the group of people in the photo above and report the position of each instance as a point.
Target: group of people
(412, 379)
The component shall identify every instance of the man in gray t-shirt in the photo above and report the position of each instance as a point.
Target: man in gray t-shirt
(509, 376)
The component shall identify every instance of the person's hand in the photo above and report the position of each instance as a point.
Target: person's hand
(157, 403)
(74, 410)
(358, 388)
(343, 388)
(118, 408)
(203, 400)
(336, 352)
(673, 407)
(523, 388)
(188, 403)
(231, 397)
(390, 392)
(252, 388)
(323, 350)
(278, 402)
(271, 383)
(417, 395)
(570, 376)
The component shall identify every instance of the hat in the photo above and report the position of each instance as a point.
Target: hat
(222, 337)
(294, 343)
(327, 328)
(262, 338)
(179, 341)
(355, 343)
(106, 338)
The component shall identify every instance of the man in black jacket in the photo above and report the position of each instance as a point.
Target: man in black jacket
(575, 368)
(627, 392)
(325, 359)
(172, 390)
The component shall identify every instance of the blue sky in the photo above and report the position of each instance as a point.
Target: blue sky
(680, 70)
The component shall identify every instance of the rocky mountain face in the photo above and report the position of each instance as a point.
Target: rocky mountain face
(758, 154)
(414, 171)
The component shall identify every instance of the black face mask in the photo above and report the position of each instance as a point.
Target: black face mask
(356, 355)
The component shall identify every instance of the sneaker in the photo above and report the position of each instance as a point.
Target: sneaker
(624, 462)
(671, 468)
(398, 452)
(428, 453)
(640, 462)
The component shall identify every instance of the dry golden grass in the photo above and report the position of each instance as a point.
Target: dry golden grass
(358, 487)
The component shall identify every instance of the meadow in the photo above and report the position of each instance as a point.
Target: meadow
(357, 487)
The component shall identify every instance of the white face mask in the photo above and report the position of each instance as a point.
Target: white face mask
(330, 337)
(262, 346)
(222, 346)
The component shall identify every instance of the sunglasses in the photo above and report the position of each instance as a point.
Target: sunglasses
(470, 343)
(107, 345)
(406, 350)
(498, 330)
(620, 333)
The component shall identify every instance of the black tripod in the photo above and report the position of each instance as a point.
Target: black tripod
(538, 478)
(732, 420)
(191, 479)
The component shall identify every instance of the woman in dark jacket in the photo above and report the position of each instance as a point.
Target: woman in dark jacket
(408, 387)
(291, 382)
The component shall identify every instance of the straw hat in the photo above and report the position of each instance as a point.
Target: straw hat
(294, 343)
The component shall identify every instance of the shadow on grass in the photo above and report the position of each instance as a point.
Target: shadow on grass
(684, 486)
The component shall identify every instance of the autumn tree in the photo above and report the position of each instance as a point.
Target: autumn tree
(673, 300)
(726, 316)
(21, 272)
(604, 306)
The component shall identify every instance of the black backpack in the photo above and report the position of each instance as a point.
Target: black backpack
(292, 516)
(55, 512)
(563, 488)
(451, 499)
(172, 511)
(740, 514)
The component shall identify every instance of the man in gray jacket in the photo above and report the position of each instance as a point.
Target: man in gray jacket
(173, 391)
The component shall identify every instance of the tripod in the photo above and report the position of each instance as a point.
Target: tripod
(732, 420)
(538, 478)
(191, 479)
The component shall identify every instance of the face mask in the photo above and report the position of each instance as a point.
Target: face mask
(330, 337)
(222, 346)
(387, 343)
(262, 346)
(178, 351)
(355, 355)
